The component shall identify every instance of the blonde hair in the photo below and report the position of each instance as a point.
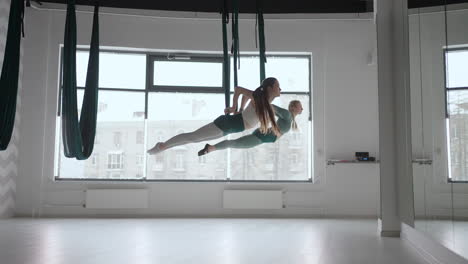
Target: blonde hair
(292, 104)
(263, 108)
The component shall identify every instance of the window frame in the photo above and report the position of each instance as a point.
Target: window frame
(445, 51)
(151, 57)
(180, 89)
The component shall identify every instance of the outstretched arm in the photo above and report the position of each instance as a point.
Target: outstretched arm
(282, 113)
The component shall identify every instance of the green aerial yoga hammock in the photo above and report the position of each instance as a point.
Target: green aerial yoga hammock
(78, 138)
(226, 64)
(235, 39)
(261, 36)
(10, 73)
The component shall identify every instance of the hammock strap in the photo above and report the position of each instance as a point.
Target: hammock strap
(226, 64)
(235, 40)
(261, 37)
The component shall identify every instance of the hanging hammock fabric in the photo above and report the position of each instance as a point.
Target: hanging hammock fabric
(226, 64)
(235, 40)
(261, 37)
(10, 73)
(78, 137)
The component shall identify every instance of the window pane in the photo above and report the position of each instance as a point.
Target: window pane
(458, 125)
(116, 70)
(292, 73)
(188, 73)
(248, 76)
(115, 149)
(170, 114)
(286, 159)
(456, 68)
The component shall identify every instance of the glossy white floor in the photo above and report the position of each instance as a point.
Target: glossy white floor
(201, 241)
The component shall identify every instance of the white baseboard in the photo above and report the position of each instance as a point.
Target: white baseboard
(387, 233)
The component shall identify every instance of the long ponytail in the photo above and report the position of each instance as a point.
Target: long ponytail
(263, 108)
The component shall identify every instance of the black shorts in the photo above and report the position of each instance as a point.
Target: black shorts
(230, 123)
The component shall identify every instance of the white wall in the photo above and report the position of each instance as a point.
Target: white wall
(345, 113)
(433, 195)
(9, 157)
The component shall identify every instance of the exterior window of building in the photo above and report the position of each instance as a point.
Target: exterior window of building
(159, 163)
(179, 162)
(95, 159)
(117, 139)
(115, 161)
(160, 159)
(457, 113)
(293, 159)
(202, 160)
(140, 159)
(136, 94)
(140, 137)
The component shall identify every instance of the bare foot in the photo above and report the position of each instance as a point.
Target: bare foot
(159, 147)
(210, 148)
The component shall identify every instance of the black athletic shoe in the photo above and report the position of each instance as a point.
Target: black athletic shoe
(203, 151)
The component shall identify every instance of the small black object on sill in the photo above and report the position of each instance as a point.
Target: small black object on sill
(364, 156)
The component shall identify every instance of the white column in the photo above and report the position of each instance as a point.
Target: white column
(396, 199)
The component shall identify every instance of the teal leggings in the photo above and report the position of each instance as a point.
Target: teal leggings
(248, 141)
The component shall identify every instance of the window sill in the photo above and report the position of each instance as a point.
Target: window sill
(334, 162)
(81, 180)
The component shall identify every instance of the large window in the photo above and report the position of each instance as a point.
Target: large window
(147, 98)
(457, 113)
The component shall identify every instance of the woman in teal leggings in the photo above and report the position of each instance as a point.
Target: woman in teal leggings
(286, 120)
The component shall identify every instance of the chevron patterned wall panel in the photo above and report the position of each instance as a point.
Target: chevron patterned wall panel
(9, 157)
